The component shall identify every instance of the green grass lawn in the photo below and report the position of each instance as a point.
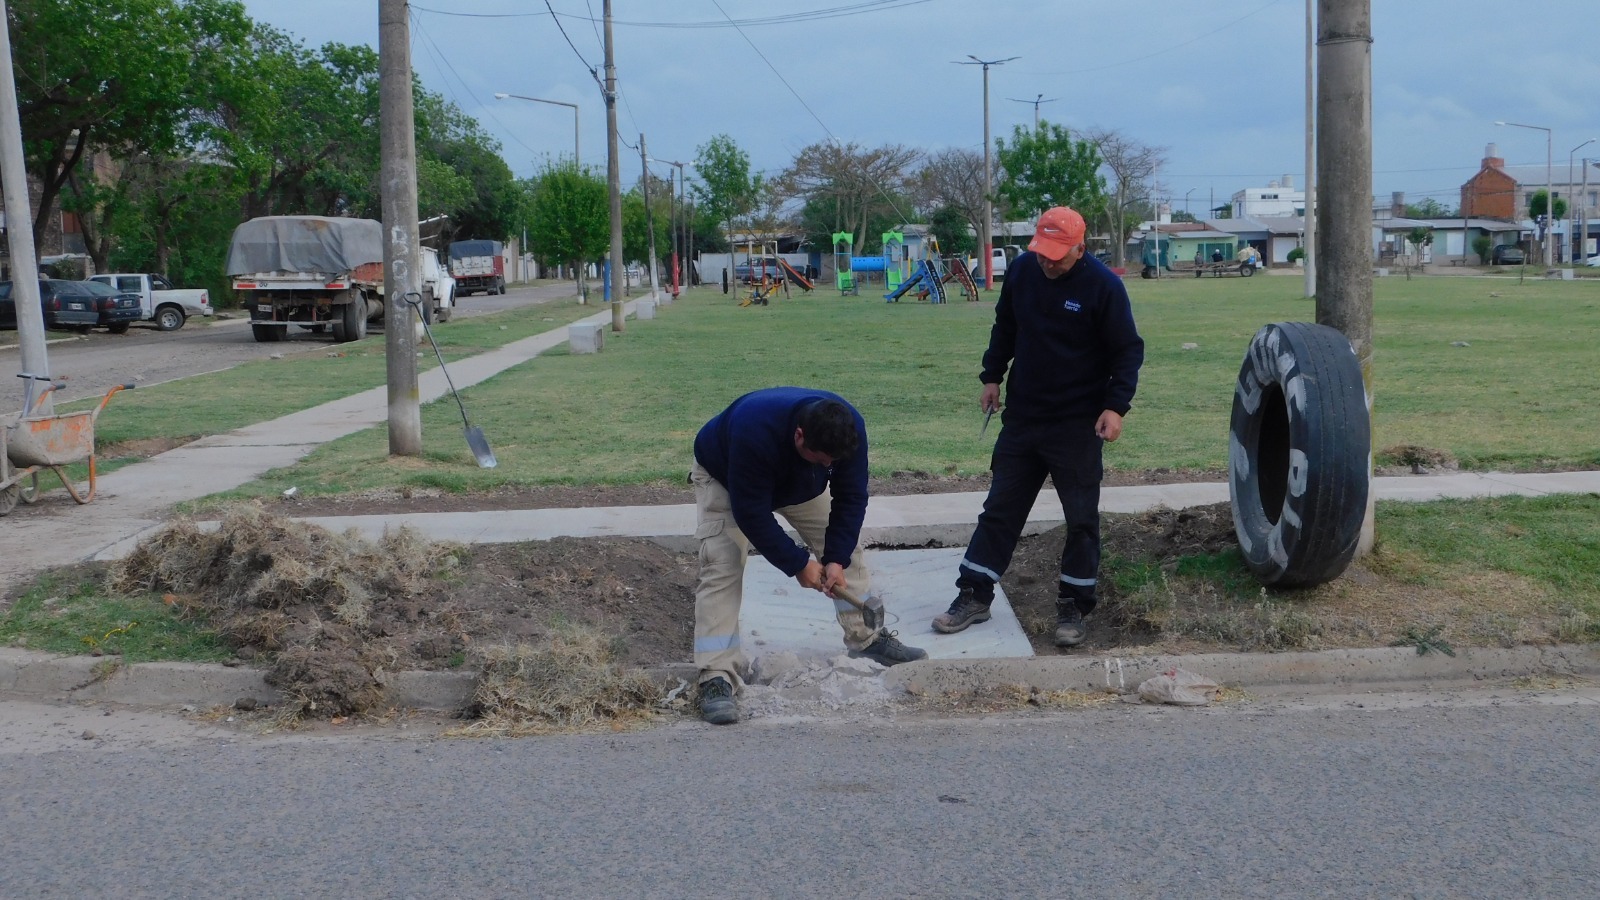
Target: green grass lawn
(1495, 373)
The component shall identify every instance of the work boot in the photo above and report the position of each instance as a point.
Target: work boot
(888, 651)
(716, 702)
(1069, 624)
(966, 609)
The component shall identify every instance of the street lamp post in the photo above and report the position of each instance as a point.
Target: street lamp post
(1035, 101)
(677, 265)
(575, 163)
(1572, 206)
(1549, 188)
(987, 238)
(1186, 200)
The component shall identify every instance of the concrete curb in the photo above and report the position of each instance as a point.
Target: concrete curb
(1322, 670)
(32, 675)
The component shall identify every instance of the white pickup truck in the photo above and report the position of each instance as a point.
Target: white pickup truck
(159, 301)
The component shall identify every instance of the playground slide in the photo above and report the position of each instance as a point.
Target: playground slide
(793, 275)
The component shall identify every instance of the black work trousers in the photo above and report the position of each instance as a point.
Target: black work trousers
(1070, 454)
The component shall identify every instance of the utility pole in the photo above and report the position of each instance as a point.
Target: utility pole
(402, 266)
(649, 218)
(1309, 255)
(19, 229)
(986, 238)
(614, 184)
(1344, 160)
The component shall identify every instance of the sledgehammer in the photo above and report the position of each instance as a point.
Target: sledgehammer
(869, 616)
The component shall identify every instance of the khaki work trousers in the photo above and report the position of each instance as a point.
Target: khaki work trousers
(723, 552)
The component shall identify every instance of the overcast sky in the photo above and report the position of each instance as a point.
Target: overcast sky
(1219, 85)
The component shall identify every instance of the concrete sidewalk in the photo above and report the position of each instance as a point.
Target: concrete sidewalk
(134, 499)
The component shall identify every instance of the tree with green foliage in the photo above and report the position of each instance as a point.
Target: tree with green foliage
(636, 226)
(726, 189)
(124, 86)
(857, 183)
(1482, 245)
(949, 227)
(1046, 167)
(1539, 206)
(1418, 237)
(569, 212)
(1429, 208)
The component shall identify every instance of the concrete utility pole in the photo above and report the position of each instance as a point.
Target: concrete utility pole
(19, 228)
(649, 218)
(1344, 163)
(986, 238)
(402, 264)
(614, 182)
(1309, 259)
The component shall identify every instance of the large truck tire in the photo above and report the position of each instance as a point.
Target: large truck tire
(268, 334)
(352, 324)
(1299, 454)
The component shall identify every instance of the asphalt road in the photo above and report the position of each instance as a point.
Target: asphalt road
(1481, 794)
(92, 364)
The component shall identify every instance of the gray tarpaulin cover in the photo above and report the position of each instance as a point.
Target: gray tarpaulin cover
(304, 244)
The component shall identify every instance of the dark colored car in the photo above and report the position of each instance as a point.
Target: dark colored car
(1506, 255)
(118, 309)
(71, 305)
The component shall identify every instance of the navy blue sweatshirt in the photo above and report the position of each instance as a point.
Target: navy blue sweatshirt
(749, 448)
(1070, 343)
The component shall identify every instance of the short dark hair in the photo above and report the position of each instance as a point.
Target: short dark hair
(829, 428)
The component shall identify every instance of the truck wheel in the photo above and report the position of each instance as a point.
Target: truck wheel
(1299, 451)
(1147, 272)
(442, 314)
(118, 328)
(169, 318)
(500, 286)
(1247, 270)
(268, 334)
(352, 325)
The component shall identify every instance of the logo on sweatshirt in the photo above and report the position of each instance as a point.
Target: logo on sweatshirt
(1072, 306)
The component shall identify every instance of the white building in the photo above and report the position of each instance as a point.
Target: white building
(1278, 199)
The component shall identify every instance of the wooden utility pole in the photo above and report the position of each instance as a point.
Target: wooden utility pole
(614, 181)
(402, 265)
(19, 230)
(1344, 174)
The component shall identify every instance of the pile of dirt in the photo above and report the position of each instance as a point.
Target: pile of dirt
(571, 683)
(336, 614)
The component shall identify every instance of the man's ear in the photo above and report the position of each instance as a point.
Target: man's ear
(799, 436)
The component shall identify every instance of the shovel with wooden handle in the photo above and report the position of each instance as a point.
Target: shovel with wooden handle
(475, 437)
(868, 615)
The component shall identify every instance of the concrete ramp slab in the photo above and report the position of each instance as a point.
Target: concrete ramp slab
(915, 586)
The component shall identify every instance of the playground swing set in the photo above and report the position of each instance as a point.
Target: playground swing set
(765, 273)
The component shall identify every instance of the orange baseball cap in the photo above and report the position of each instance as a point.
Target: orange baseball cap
(1060, 229)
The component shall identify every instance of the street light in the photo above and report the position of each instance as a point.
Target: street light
(987, 238)
(575, 162)
(1572, 208)
(676, 264)
(1186, 200)
(1549, 188)
(1036, 101)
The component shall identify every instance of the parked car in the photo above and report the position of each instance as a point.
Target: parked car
(118, 309)
(66, 305)
(1593, 260)
(1506, 255)
(159, 301)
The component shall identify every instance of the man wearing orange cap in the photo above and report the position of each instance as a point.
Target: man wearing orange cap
(1064, 328)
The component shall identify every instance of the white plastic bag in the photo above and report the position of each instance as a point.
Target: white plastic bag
(1179, 687)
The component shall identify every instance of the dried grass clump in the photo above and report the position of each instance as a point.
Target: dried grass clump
(257, 560)
(572, 683)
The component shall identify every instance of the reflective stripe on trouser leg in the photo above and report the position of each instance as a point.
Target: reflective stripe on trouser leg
(720, 589)
(1080, 549)
(811, 520)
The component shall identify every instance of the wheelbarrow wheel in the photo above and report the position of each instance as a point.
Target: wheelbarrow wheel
(9, 495)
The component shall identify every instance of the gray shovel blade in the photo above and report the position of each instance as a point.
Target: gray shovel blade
(480, 448)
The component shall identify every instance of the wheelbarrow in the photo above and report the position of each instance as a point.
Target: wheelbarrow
(31, 443)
